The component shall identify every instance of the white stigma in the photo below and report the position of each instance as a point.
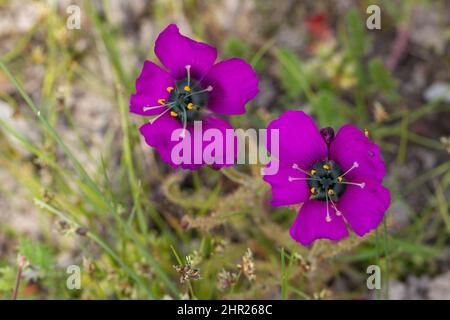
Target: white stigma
(188, 70)
(338, 213)
(208, 89)
(160, 115)
(147, 108)
(354, 166)
(361, 184)
(297, 167)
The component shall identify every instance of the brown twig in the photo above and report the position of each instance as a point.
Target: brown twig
(401, 41)
(400, 44)
(22, 263)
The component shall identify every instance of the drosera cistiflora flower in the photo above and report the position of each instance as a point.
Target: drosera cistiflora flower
(338, 178)
(192, 87)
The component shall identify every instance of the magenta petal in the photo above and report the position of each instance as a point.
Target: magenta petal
(351, 145)
(311, 225)
(300, 141)
(227, 150)
(285, 192)
(158, 135)
(234, 84)
(197, 141)
(176, 51)
(364, 208)
(151, 85)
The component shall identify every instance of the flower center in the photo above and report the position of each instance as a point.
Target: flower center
(326, 181)
(184, 102)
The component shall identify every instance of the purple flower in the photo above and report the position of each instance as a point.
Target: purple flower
(191, 87)
(337, 178)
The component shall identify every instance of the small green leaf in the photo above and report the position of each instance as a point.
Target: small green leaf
(356, 34)
(37, 254)
(328, 109)
(380, 76)
(236, 48)
(7, 278)
(293, 77)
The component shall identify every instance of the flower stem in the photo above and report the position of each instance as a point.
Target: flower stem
(386, 257)
(235, 175)
(191, 290)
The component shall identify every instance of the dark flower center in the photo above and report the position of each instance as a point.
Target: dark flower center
(325, 178)
(326, 181)
(186, 100)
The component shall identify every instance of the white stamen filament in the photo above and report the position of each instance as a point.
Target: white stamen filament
(301, 179)
(297, 167)
(160, 115)
(327, 218)
(183, 133)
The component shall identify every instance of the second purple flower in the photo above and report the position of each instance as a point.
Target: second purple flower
(337, 178)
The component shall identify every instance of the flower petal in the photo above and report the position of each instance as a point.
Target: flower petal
(351, 145)
(364, 208)
(285, 192)
(234, 84)
(227, 149)
(300, 141)
(151, 86)
(158, 135)
(311, 225)
(176, 51)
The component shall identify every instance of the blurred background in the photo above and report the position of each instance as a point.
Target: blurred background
(79, 187)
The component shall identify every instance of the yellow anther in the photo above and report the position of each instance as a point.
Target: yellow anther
(190, 105)
(313, 171)
(340, 179)
(173, 113)
(313, 190)
(330, 191)
(187, 88)
(366, 133)
(326, 167)
(162, 101)
(169, 89)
